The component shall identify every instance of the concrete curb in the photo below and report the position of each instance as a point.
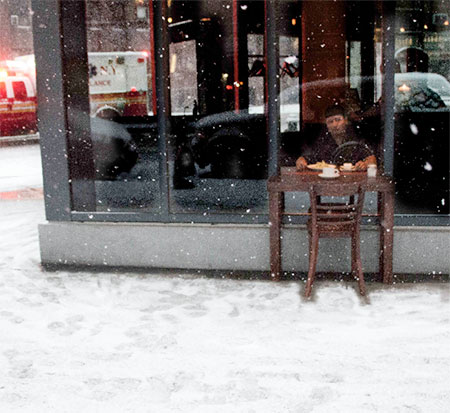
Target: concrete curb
(19, 140)
(26, 193)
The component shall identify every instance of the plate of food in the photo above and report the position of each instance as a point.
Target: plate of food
(318, 166)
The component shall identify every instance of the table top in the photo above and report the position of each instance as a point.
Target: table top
(290, 179)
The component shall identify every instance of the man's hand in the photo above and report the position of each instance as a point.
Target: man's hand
(362, 165)
(301, 163)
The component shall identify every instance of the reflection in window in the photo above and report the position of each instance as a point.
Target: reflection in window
(422, 91)
(122, 129)
(218, 144)
(329, 60)
(20, 91)
(289, 83)
(183, 78)
(217, 132)
(257, 72)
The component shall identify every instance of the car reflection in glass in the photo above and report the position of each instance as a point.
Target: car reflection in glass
(114, 151)
(421, 91)
(421, 161)
(234, 144)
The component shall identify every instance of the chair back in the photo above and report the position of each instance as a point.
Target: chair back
(339, 212)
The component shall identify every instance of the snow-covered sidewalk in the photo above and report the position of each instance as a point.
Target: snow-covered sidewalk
(123, 342)
(20, 167)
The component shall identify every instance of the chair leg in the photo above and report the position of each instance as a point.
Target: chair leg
(358, 264)
(353, 248)
(313, 251)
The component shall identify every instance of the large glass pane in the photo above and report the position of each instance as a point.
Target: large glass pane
(422, 87)
(218, 144)
(122, 122)
(330, 61)
(17, 72)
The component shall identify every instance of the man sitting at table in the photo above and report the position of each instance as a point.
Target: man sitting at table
(335, 138)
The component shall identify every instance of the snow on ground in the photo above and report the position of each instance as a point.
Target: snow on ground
(20, 167)
(124, 342)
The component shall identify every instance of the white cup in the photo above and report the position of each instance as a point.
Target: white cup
(330, 171)
(371, 170)
(348, 166)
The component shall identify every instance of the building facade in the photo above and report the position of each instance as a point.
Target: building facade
(17, 36)
(172, 172)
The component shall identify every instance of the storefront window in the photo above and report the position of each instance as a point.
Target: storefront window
(329, 60)
(123, 128)
(215, 76)
(422, 98)
(217, 142)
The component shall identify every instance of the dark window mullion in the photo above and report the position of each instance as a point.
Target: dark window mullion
(47, 33)
(273, 87)
(162, 114)
(388, 86)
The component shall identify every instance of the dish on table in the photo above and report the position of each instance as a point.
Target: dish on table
(352, 169)
(322, 175)
(318, 166)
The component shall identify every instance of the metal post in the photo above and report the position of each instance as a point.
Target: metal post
(388, 85)
(273, 88)
(76, 95)
(162, 107)
(236, 84)
(52, 124)
(152, 53)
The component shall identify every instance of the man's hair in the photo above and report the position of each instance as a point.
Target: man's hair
(335, 110)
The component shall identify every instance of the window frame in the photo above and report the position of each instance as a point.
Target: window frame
(51, 28)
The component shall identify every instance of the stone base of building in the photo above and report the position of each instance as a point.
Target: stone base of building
(230, 247)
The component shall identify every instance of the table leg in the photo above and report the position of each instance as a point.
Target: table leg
(388, 235)
(275, 208)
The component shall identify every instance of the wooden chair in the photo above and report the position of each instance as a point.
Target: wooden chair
(335, 219)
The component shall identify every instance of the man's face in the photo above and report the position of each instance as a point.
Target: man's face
(336, 124)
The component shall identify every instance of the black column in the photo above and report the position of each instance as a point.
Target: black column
(54, 74)
(388, 84)
(162, 99)
(76, 94)
(273, 87)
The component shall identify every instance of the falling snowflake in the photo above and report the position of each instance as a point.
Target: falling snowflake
(427, 166)
(414, 128)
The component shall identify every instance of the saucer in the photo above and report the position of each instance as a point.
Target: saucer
(329, 176)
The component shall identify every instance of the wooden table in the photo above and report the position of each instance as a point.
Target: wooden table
(291, 180)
